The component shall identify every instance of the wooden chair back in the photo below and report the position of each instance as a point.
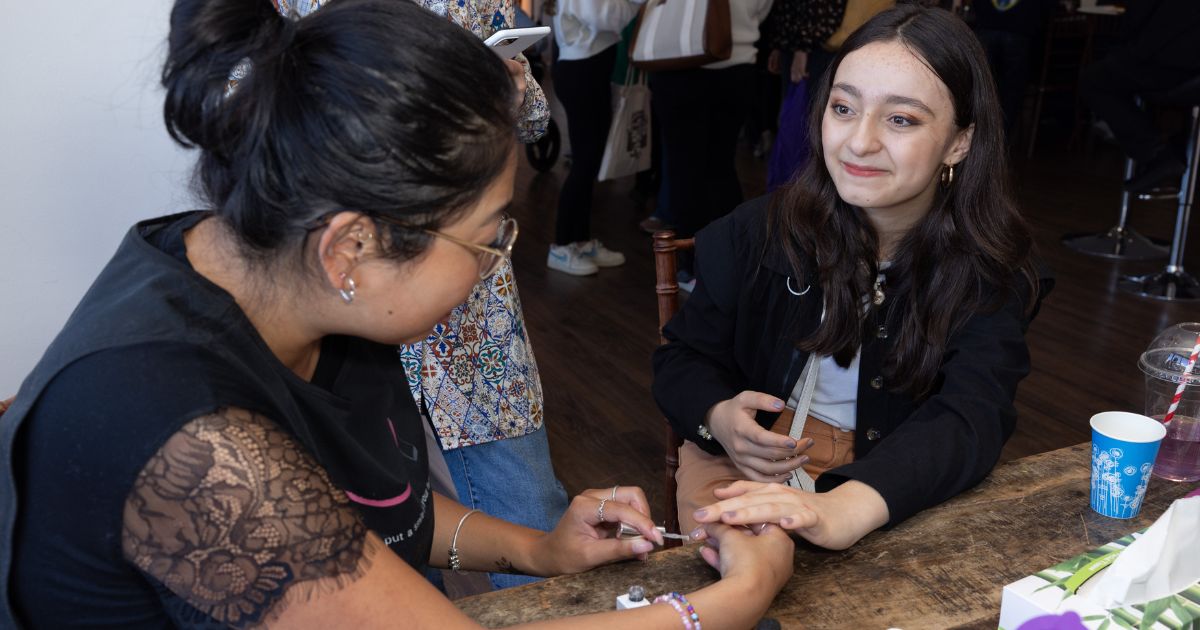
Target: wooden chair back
(666, 286)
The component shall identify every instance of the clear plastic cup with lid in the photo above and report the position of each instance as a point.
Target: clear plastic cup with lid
(1165, 364)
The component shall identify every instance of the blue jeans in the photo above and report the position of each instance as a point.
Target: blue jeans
(511, 479)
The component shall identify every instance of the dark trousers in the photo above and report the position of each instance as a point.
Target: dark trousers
(1008, 56)
(583, 86)
(700, 113)
(765, 99)
(1109, 87)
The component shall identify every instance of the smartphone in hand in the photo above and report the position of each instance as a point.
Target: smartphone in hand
(509, 42)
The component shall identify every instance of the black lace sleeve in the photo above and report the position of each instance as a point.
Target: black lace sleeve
(237, 520)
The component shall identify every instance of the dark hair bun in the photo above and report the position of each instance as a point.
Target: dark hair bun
(377, 106)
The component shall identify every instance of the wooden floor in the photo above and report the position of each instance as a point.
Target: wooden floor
(593, 336)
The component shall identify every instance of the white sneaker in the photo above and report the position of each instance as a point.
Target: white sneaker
(568, 259)
(596, 252)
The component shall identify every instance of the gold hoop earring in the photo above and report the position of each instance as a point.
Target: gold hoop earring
(947, 175)
(348, 289)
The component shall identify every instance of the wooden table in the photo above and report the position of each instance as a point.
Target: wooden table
(943, 568)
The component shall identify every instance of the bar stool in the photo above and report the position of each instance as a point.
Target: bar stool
(1173, 283)
(1120, 241)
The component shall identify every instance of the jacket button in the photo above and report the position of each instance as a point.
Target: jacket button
(877, 382)
(873, 434)
(881, 333)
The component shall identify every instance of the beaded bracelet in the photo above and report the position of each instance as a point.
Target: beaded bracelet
(689, 617)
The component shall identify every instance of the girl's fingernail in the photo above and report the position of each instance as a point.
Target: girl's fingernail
(699, 514)
(730, 514)
(791, 444)
(643, 546)
(804, 459)
(698, 532)
(778, 404)
(787, 521)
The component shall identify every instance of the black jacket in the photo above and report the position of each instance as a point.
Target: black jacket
(738, 331)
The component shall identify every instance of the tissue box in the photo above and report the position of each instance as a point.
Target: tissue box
(1064, 586)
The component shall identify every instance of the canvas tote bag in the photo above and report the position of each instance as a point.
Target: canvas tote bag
(627, 150)
(682, 34)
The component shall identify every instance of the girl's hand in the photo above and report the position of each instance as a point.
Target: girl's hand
(760, 454)
(762, 554)
(582, 541)
(834, 519)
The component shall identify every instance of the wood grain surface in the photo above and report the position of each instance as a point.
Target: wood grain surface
(944, 568)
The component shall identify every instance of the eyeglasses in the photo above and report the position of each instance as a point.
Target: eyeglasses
(490, 255)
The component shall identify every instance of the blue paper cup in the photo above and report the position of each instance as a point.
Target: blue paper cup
(1123, 449)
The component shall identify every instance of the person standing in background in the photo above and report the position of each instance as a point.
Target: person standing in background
(794, 31)
(701, 111)
(482, 18)
(587, 33)
(476, 376)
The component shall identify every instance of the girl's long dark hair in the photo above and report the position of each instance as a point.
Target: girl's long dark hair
(963, 257)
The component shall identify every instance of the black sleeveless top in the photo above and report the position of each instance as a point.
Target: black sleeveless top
(152, 346)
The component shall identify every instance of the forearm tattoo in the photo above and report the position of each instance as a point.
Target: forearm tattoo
(239, 521)
(504, 565)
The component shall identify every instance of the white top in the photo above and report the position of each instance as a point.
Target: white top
(745, 16)
(835, 394)
(583, 28)
(835, 397)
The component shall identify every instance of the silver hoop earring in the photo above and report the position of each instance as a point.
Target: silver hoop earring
(347, 290)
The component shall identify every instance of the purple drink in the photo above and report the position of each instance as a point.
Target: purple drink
(1179, 455)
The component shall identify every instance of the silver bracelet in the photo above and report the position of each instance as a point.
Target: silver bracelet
(455, 563)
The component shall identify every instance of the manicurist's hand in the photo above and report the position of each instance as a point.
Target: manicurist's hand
(581, 540)
(834, 519)
(760, 454)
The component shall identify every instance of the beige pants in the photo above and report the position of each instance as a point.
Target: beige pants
(700, 473)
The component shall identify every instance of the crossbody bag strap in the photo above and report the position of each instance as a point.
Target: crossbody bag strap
(803, 394)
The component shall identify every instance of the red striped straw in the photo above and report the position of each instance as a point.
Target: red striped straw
(1183, 382)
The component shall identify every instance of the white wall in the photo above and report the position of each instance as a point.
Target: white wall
(83, 155)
